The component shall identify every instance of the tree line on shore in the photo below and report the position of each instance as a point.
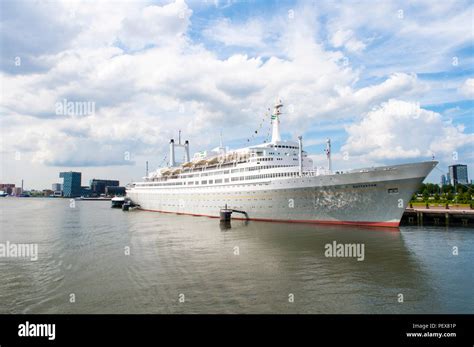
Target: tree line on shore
(445, 194)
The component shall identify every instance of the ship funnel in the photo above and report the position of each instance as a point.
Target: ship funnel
(186, 149)
(172, 160)
(173, 147)
(300, 154)
(276, 121)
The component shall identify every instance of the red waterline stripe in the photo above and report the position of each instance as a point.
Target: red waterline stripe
(303, 221)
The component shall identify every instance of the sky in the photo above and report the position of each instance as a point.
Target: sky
(101, 86)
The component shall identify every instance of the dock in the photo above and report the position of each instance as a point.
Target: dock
(440, 216)
(226, 214)
(432, 215)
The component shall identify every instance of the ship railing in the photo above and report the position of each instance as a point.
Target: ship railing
(310, 173)
(314, 173)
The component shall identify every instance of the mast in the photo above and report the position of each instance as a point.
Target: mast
(221, 145)
(276, 121)
(328, 153)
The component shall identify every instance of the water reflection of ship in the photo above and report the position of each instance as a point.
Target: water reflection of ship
(275, 259)
(297, 255)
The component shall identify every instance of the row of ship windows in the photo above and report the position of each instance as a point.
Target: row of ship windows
(281, 146)
(268, 159)
(255, 177)
(253, 168)
(226, 180)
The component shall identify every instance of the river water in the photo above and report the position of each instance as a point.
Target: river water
(95, 259)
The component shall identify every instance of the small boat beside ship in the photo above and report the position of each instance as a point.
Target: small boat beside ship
(118, 201)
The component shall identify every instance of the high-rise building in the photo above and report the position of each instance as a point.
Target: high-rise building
(458, 174)
(444, 181)
(72, 184)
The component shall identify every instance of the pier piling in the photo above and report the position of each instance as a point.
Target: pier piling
(434, 216)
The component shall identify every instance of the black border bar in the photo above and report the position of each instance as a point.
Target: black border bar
(296, 329)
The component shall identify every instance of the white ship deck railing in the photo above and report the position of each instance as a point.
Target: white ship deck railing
(306, 173)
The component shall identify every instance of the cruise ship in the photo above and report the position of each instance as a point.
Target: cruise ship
(276, 181)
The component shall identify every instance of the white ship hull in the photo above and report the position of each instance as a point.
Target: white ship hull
(370, 197)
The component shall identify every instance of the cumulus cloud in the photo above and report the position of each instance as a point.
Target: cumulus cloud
(400, 34)
(29, 30)
(142, 98)
(467, 88)
(355, 102)
(155, 25)
(347, 39)
(399, 129)
(148, 76)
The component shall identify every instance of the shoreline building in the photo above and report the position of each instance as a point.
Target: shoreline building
(48, 192)
(72, 184)
(98, 186)
(458, 174)
(7, 188)
(72, 188)
(57, 189)
(444, 181)
(115, 191)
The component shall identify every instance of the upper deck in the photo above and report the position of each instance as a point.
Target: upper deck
(268, 160)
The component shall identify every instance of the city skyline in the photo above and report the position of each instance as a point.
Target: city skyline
(388, 84)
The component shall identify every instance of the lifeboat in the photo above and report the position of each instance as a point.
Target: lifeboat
(213, 160)
(230, 156)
